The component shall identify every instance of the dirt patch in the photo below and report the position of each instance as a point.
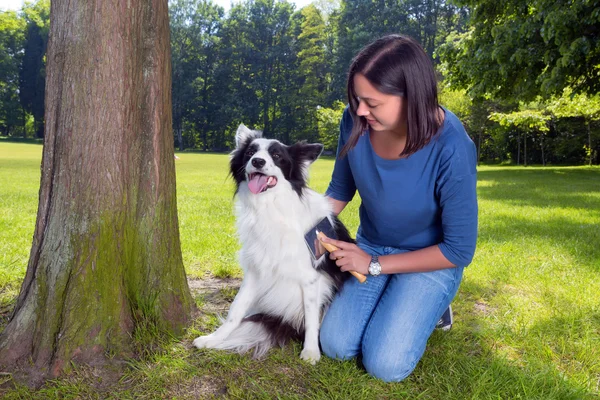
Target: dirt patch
(201, 387)
(216, 293)
(483, 308)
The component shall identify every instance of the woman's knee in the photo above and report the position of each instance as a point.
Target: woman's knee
(390, 367)
(335, 345)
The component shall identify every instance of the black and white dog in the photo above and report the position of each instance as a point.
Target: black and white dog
(284, 291)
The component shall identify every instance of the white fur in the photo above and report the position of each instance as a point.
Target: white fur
(279, 276)
(243, 133)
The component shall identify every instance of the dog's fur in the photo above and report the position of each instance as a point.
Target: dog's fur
(284, 291)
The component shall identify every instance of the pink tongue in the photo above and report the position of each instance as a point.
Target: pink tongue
(258, 183)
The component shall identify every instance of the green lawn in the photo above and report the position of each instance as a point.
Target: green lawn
(527, 314)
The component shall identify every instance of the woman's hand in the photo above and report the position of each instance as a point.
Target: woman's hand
(349, 257)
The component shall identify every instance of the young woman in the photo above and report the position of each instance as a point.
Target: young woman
(414, 167)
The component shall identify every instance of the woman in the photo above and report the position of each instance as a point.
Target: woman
(414, 167)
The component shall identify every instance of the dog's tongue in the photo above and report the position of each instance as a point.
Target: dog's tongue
(258, 183)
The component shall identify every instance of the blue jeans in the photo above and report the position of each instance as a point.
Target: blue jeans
(389, 318)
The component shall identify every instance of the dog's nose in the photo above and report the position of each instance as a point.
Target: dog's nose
(258, 162)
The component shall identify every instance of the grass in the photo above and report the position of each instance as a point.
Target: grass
(527, 313)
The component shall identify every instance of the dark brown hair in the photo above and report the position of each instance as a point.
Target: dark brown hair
(398, 65)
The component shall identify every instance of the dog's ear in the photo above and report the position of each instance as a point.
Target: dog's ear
(243, 133)
(306, 153)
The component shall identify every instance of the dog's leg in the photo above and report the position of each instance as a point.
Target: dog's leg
(240, 306)
(311, 295)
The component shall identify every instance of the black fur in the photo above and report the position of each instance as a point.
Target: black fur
(279, 331)
(239, 159)
(329, 266)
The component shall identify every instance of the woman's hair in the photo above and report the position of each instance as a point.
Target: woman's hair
(398, 65)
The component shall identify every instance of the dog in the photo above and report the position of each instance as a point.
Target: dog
(284, 291)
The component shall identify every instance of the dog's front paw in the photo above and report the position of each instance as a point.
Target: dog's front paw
(204, 342)
(310, 355)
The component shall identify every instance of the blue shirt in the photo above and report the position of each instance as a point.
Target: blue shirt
(411, 203)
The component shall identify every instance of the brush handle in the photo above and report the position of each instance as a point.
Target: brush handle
(361, 278)
(329, 247)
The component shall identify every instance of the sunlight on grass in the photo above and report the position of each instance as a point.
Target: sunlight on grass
(19, 185)
(527, 313)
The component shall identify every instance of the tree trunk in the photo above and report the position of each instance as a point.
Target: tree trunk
(591, 149)
(180, 137)
(24, 119)
(479, 148)
(524, 149)
(39, 128)
(105, 261)
(542, 147)
(518, 149)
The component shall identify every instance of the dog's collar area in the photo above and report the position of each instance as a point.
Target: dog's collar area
(259, 182)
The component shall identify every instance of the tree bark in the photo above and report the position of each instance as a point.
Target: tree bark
(180, 137)
(479, 148)
(542, 147)
(518, 148)
(524, 149)
(106, 257)
(591, 149)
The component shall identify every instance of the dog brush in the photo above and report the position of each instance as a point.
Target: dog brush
(317, 247)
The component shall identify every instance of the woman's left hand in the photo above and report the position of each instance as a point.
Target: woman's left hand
(349, 257)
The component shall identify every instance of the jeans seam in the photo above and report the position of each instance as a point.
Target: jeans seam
(373, 302)
(367, 321)
(455, 282)
(376, 310)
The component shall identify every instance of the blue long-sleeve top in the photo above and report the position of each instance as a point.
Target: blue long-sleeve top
(411, 203)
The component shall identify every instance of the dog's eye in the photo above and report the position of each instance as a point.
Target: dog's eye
(250, 153)
(276, 156)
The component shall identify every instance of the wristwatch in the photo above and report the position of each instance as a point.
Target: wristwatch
(374, 266)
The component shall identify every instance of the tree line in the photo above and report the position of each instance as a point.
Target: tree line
(23, 41)
(272, 67)
(276, 68)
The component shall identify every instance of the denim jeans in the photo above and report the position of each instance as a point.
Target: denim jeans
(389, 318)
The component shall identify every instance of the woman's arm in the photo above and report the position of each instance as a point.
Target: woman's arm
(422, 260)
(350, 257)
(337, 205)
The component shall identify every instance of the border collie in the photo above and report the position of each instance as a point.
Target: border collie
(284, 291)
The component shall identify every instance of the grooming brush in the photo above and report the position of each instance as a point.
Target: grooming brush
(317, 248)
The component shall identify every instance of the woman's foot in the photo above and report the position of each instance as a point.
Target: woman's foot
(445, 322)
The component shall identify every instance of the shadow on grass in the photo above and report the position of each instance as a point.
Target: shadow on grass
(481, 358)
(547, 187)
(579, 240)
(463, 363)
(555, 194)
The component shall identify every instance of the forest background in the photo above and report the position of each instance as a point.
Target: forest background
(522, 76)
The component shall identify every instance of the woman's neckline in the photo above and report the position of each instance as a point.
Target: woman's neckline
(400, 159)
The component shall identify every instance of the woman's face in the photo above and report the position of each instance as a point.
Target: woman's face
(384, 112)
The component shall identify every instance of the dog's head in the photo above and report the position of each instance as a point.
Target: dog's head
(264, 164)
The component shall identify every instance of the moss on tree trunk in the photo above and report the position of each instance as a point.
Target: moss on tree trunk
(106, 255)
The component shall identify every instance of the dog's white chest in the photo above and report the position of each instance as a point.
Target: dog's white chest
(272, 237)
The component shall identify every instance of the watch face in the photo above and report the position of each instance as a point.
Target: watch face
(374, 268)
